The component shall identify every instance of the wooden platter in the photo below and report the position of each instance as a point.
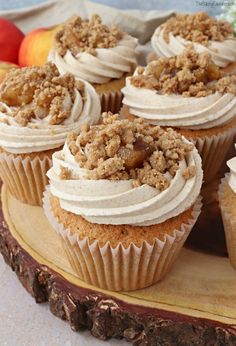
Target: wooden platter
(194, 305)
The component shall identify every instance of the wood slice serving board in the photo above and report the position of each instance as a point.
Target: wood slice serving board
(194, 305)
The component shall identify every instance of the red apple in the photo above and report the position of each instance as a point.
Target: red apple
(36, 45)
(10, 41)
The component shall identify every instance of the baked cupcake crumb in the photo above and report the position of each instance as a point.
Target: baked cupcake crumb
(79, 35)
(198, 27)
(120, 149)
(188, 74)
(126, 233)
(39, 92)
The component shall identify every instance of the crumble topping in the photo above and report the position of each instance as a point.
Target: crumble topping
(188, 74)
(65, 173)
(79, 35)
(38, 92)
(198, 27)
(119, 149)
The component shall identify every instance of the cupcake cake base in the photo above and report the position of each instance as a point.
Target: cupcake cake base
(120, 257)
(178, 309)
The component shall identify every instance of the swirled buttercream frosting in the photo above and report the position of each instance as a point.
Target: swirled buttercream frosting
(38, 108)
(93, 51)
(185, 91)
(126, 172)
(207, 34)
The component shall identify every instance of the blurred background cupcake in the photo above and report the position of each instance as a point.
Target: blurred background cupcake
(123, 196)
(190, 93)
(207, 34)
(38, 108)
(227, 201)
(99, 54)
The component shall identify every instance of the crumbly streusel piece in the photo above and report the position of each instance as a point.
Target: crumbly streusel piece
(78, 35)
(198, 27)
(65, 173)
(122, 149)
(188, 74)
(36, 92)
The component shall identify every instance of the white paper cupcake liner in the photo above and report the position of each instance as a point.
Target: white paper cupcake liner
(121, 268)
(229, 221)
(213, 151)
(111, 101)
(25, 178)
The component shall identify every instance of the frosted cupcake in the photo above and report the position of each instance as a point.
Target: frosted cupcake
(207, 34)
(99, 54)
(123, 196)
(227, 202)
(190, 93)
(38, 108)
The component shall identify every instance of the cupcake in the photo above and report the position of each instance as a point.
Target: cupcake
(207, 34)
(38, 108)
(190, 93)
(99, 54)
(123, 197)
(227, 202)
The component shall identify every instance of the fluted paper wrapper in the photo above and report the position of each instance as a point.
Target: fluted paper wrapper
(25, 178)
(121, 268)
(111, 101)
(213, 151)
(229, 221)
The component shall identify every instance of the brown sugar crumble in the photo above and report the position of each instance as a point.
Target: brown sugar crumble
(38, 92)
(188, 74)
(79, 35)
(65, 173)
(189, 172)
(198, 27)
(119, 149)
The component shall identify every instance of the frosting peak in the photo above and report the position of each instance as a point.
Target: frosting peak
(188, 90)
(94, 52)
(38, 108)
(207, 34)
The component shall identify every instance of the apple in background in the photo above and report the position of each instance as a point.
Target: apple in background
(36, 45)
(10, 41)
(4, 68)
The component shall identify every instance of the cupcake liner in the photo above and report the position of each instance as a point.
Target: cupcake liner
(229, 222)
(111, 101)
(25, 178)
(213, 151)
(121, 268)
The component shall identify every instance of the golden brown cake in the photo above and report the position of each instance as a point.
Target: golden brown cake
(38, 108)
(123, 195)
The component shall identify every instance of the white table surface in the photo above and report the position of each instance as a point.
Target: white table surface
(25, 323)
